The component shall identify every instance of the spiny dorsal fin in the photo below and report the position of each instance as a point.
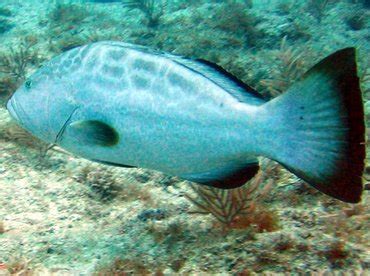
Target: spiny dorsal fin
(238, 82)
(215, 73)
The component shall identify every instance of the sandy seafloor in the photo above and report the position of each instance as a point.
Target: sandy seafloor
(64, 215)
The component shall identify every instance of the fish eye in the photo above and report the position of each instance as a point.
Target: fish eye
(28, 84)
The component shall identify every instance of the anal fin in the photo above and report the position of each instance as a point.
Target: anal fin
(229, 177)
(112, 164)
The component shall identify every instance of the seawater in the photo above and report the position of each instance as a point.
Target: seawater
(64, 215)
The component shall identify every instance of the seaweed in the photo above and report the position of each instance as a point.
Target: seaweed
(291, 67)
(365, 3)
(317, 8)
(239, 19)
(152, 10)
(5, 12)
(336, 253)
(356, 19)
(127, 266)
(67, 14)
(2, 227)
(17, 59)
(5, 25)
(102, 183)
(67, 42)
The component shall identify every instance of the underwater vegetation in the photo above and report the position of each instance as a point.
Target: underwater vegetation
(15, 61)
(72, 216)
(152, 9)
(291, 65)
(317, 8)
(102, 183)
(234, 208)
(5, 24)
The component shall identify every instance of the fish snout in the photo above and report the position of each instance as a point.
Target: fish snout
(11, 107)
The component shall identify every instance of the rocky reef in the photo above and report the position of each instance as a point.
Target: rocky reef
(64, 215)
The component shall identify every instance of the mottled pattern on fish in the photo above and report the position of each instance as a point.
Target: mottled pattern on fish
(157, 103)
(126, 105)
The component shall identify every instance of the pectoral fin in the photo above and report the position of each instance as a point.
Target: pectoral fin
(95, 132)
(228, 177)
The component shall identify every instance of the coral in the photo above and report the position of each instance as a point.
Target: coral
(228, 205)
(153, 10)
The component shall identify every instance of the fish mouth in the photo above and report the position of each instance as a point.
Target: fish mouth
(11, 107)
(18, 113)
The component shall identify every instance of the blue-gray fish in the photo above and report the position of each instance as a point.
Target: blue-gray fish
(130, 106)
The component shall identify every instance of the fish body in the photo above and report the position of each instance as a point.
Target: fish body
(127, 105)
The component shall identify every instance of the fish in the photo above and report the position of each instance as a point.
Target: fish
(132, 106)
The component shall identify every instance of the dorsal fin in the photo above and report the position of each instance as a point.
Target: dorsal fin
(215, 73)
(238, 82)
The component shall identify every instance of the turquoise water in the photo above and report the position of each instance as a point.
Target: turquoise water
(62, 214)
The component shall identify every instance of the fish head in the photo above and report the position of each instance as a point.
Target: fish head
(42, 104)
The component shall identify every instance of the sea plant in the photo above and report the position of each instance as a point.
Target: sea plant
(317, 8)
(290, 67)
(356, 19)
(16, 60)
(227, 206)
(238, 20)
(5, 25)
(152, 9)
(2, 227)
(5, 12)
(102, 183)
(67, 15)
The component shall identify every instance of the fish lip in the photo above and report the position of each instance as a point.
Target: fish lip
(10, 106)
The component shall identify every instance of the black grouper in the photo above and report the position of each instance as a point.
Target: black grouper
(127, 105)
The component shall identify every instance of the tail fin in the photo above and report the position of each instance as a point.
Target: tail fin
(319, 130)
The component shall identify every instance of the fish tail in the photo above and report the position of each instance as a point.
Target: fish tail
(317, 130)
